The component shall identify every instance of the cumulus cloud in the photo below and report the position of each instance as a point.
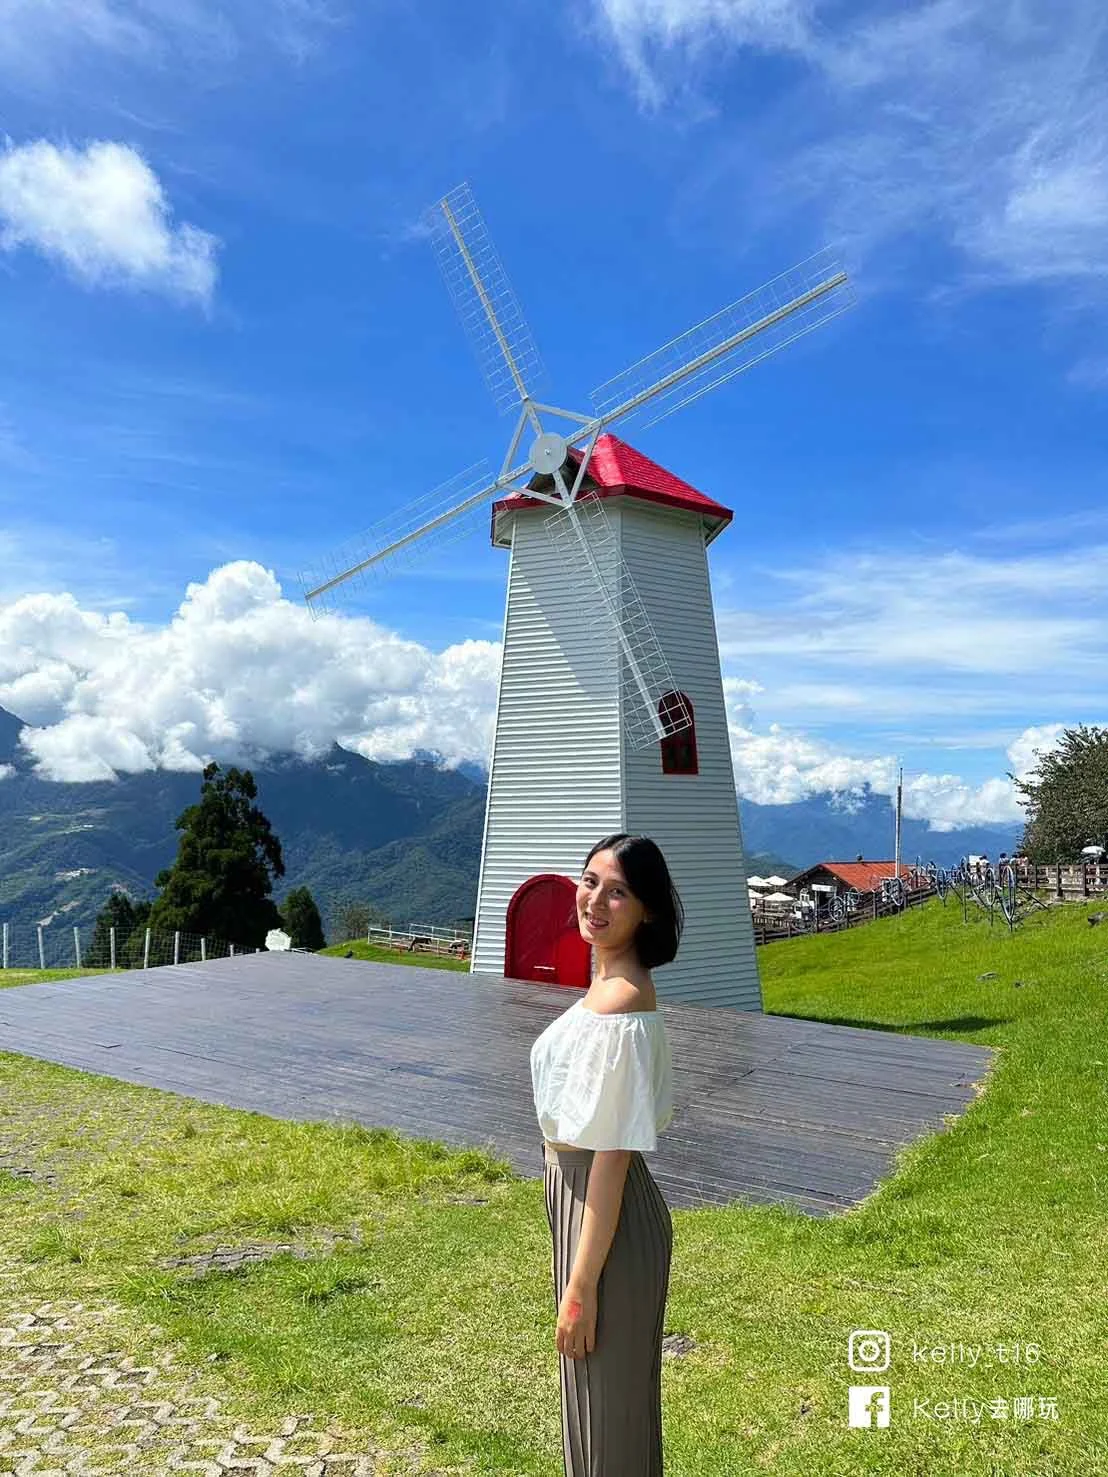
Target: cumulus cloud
(238, 673)
(102, 212)
(779, 767)
(1031, 744)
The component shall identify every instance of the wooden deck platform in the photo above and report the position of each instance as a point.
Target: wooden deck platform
(767, 1109)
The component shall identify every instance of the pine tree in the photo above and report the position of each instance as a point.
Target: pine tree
(220, 886)
(118, 913)
(1066, 797)
(302, 922)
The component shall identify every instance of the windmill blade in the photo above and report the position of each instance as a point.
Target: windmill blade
(652, 711)
(483, 296)
(402, 539)
(733, 340)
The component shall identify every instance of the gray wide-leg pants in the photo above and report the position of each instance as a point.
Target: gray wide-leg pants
(612, 1398)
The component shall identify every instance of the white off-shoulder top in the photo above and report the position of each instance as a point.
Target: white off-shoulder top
(603, 1081)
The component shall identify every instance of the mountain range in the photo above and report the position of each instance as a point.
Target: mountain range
(402, 837)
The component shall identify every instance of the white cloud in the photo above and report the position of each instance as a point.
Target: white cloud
(990, 121)
(41, 36)
(1033, 742)
(239, 672)
(897, 612)
(6, 771)
(780, 767)
(986, 122)
(654, 35)
(102, 212)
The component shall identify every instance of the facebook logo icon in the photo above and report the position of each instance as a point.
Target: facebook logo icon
(868, 1402)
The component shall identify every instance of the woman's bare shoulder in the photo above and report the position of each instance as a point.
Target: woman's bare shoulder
(619, 994)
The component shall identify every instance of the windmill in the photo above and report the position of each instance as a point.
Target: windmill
(587, 696)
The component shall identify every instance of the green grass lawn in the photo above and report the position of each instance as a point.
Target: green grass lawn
(437, 1323)
(39, 976)
(359, 949)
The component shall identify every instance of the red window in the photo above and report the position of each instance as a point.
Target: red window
(678, 749)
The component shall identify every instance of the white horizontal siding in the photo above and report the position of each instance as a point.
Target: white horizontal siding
(554, 779)
(694, 818)
(562, 773)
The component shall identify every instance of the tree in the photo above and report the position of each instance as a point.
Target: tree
(302, 921)
(353, 920)
(220, 886)
(1066, 796)
(118, 913)
(132, 952)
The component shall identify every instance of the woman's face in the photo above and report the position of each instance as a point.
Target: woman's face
(608, 912)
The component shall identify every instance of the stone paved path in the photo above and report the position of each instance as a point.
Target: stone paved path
(73, 1402)
(75, 1398)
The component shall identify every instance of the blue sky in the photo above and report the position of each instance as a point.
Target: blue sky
(227, 348)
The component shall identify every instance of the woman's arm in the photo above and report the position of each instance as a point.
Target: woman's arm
(603, 1201)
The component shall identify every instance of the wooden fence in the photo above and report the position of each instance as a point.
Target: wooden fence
(769, 926)
(1056, 881)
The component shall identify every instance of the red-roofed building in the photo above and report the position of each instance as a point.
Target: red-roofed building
(618, 470)
(848, 876)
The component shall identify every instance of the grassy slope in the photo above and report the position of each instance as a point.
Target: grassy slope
(441, 1323)
(359, 949)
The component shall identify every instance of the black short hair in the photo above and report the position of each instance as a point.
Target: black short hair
(644, 866)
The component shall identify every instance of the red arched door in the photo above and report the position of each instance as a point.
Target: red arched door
(543, 941)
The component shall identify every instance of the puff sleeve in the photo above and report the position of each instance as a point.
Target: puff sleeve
(608, 1101)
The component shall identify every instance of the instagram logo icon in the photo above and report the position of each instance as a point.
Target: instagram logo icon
(869, 1350)
(868, 1402)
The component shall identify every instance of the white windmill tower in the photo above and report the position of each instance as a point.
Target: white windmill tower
(601, 726)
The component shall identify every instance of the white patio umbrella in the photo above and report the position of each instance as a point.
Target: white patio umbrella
(757, 882)
(776, 881)
(780, 897)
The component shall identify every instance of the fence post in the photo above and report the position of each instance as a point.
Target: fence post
(1085, 879)
(146, 951)
(232, 953)
(177, 946)
(77, 945)
(41, 950)
(111, 944)
(203, 950)
(5, 946)
(1058, 879)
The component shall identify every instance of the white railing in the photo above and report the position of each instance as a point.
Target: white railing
(423, 938)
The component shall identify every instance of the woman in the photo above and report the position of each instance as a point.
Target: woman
(602, 1076)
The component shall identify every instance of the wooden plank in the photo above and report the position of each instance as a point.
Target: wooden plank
(768, 1109)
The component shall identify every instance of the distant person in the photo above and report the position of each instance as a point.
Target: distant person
(602, 1078)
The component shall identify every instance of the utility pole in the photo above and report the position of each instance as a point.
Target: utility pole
(899, 799)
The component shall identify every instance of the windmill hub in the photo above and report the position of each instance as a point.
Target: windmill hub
(548, 453)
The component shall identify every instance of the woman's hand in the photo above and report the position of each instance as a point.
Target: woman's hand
(576, 1333)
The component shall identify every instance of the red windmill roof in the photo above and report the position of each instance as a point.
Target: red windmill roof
(618, 469)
